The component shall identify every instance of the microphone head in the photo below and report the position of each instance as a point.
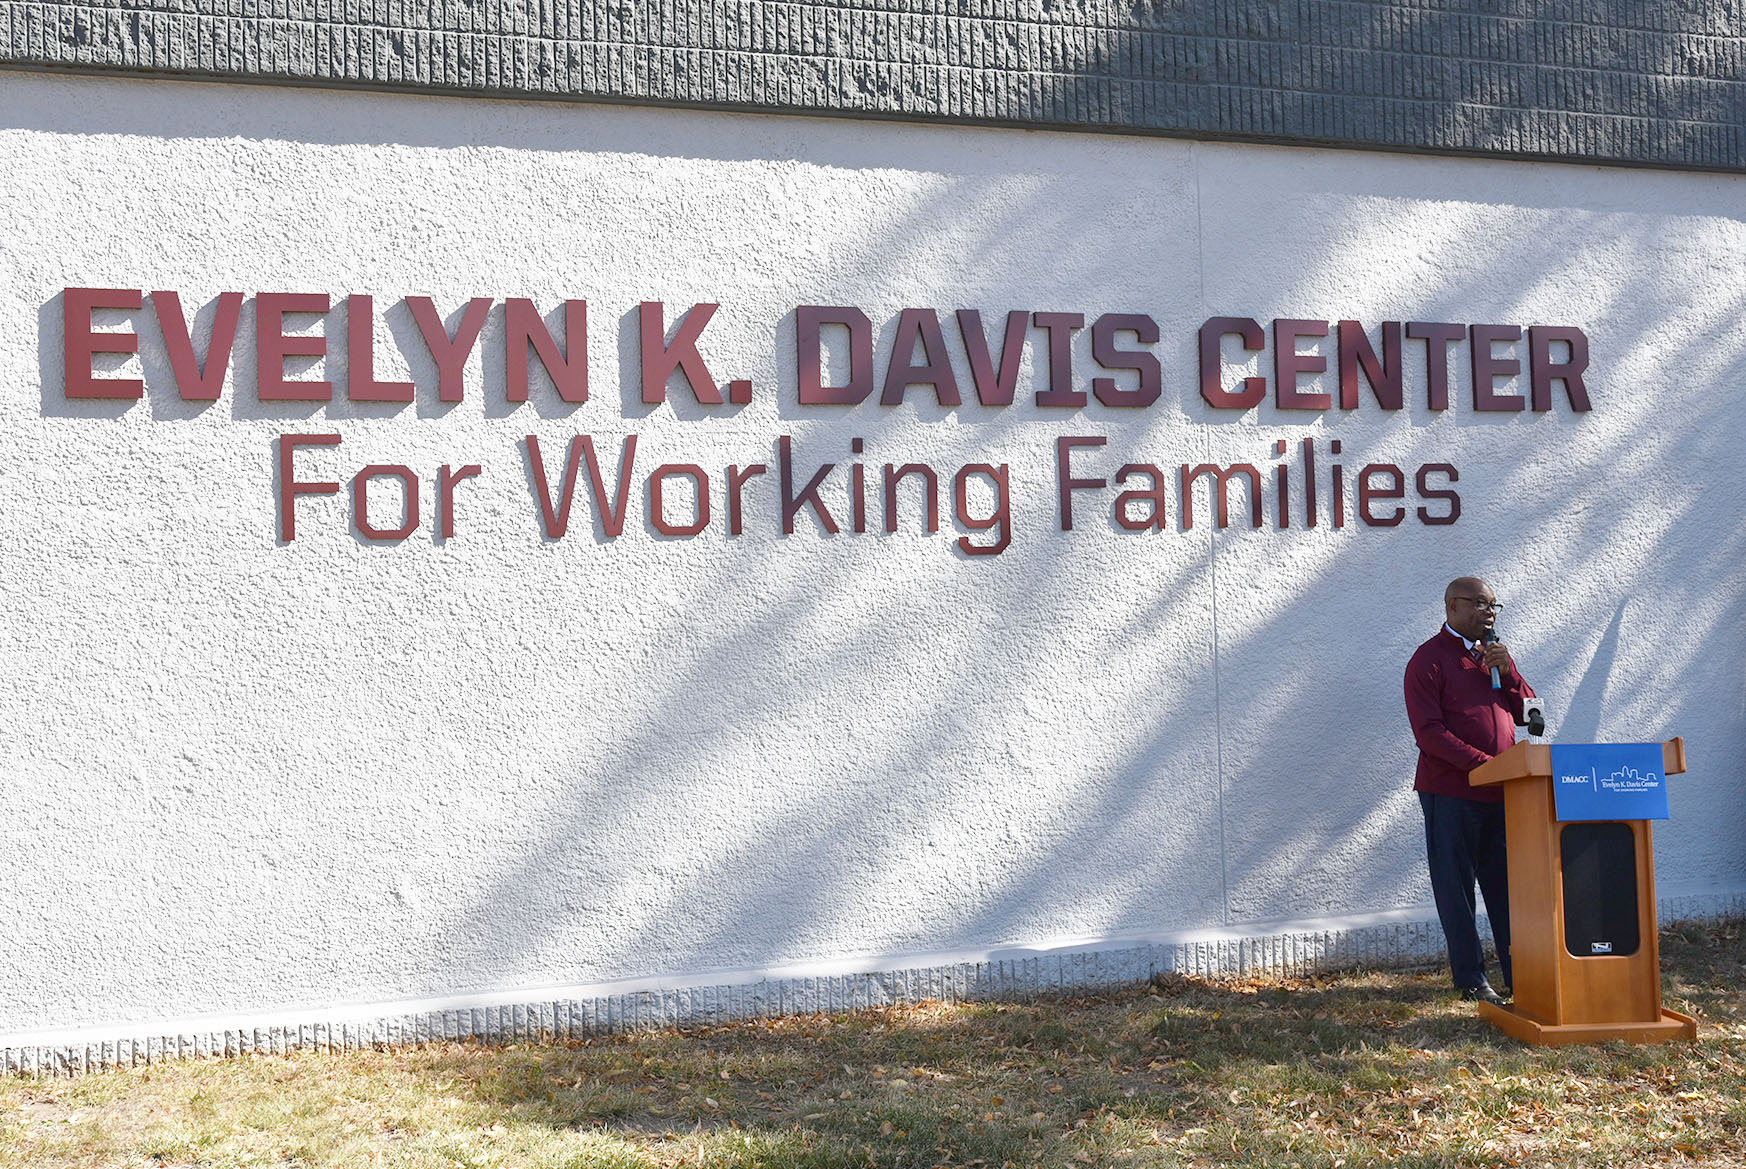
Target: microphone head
(1488, 635)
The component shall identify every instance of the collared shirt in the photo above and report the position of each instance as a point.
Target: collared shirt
(1458, 720)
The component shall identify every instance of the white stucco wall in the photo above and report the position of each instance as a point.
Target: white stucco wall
(239, 774)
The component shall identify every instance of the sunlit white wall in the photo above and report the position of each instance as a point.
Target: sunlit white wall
(241, 774)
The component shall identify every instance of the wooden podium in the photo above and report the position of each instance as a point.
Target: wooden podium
(1612, 988)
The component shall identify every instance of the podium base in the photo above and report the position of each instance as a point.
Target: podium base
(1670, 1027)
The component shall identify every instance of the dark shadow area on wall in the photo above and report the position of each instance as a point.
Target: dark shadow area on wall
(1581, 722)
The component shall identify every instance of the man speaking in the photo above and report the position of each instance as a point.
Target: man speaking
(1464, 699)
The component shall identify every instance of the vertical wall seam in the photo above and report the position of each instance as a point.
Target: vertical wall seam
(1212, 566)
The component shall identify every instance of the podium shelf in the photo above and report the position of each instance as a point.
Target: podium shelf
(1670, 1028)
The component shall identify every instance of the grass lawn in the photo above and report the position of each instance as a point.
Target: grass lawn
(1362, 1069)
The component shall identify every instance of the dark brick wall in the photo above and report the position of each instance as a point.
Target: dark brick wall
(1646, 83)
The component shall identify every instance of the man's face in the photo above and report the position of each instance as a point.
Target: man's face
(1468, 611)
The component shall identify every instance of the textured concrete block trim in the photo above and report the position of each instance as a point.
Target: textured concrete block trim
(1384, 940)
(1648, 85)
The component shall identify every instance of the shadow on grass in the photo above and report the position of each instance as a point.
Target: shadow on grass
(1361, 1067)
(990, 1083)
(1356, 1069)
(1705, 966)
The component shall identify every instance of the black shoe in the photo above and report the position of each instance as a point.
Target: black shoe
(1483, 993)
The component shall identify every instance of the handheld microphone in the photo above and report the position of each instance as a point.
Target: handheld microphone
(1488, 636)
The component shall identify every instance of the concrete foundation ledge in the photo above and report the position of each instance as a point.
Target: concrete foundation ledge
(531, 1015)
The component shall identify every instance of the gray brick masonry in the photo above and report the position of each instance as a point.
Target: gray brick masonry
(1618, 82)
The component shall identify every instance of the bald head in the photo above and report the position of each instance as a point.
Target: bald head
(1461, 606)
(1462, 586)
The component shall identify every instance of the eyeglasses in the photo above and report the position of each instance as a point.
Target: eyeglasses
(1483, 605)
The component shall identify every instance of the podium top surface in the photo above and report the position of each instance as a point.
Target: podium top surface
(1534, 760)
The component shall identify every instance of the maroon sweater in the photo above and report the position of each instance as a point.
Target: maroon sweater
(1458, 720)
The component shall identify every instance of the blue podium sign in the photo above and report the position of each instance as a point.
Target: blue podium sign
(1609, 781)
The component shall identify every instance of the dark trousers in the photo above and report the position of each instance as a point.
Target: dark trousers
(1464, 843)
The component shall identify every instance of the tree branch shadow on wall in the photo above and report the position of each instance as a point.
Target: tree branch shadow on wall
(1581, 722)
(802, 878)
(800, 881)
